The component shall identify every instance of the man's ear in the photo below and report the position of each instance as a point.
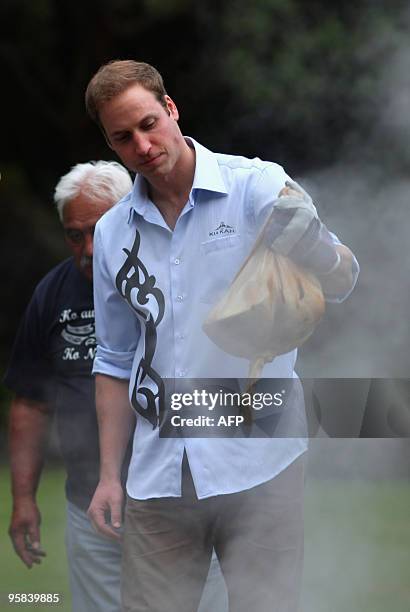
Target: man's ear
(172, 108)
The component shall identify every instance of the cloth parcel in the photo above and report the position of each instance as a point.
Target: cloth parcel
(271, 307)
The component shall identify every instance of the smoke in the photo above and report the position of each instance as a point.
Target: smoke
(368, 335)
(357, 491)
(364, 198)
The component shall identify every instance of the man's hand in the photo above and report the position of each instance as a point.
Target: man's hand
(105, 511)
(295, 230)
(24, 531)
(28, 429)
(116, 421)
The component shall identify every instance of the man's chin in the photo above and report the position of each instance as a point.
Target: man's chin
(87, 271)
(152, 166)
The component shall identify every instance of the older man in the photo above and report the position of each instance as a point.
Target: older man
(161, 260)
(50, 372)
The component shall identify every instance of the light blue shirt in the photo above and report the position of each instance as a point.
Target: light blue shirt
(153, 290)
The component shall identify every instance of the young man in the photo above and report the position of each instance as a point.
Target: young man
(160, 262)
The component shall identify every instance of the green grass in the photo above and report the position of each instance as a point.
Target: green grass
(357, 555)
(357, 547)
(51, 575)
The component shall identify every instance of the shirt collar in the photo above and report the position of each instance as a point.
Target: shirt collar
(207, 173)
(140, 201)
(207, 177)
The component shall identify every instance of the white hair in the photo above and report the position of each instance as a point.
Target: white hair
(100, 179)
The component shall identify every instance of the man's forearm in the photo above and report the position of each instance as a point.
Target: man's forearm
(116, 422)
(28, 430)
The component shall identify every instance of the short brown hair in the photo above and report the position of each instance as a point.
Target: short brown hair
(115, 77)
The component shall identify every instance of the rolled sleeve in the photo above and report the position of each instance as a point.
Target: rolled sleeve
(338, 299)
(117, 328)
(113, 363)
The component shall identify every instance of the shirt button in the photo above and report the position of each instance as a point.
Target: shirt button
(177, 261)
(180, 298)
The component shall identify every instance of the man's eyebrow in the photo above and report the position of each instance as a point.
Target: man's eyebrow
(117, 132)
(150, 115)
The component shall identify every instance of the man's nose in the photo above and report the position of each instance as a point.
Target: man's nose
(88, 244)
(141, 143)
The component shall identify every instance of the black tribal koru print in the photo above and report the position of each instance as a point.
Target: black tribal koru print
(133, 275)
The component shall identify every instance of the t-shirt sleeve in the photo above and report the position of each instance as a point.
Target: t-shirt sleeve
(117, 328)
(28, 373)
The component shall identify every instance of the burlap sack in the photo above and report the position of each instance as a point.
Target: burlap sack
(271, 307)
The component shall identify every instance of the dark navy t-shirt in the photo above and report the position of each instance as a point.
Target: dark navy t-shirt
(52, 361)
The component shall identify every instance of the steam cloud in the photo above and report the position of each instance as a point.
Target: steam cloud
(364, 198)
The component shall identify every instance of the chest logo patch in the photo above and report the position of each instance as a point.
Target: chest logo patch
(223, 229)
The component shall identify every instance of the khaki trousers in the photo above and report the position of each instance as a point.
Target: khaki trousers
(257, 535)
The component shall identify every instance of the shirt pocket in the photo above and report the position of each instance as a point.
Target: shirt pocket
(220, 243)
(221, 258)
